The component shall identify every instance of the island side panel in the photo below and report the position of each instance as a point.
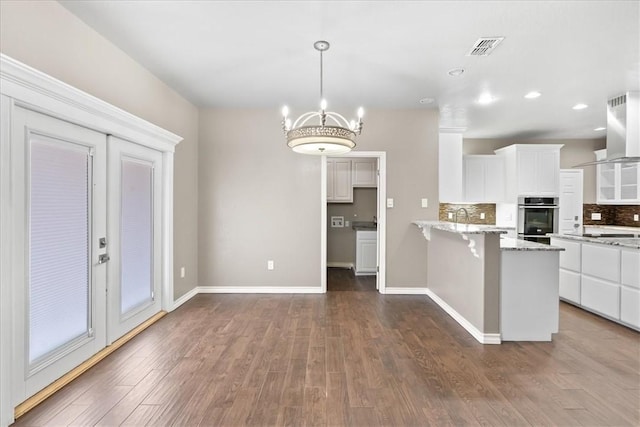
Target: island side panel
(456, 274)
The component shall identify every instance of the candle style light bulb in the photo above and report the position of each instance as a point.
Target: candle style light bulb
(360, 112)
(285, 111)
(323, 104)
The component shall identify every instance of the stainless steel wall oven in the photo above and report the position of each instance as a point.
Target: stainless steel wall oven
(537, 216)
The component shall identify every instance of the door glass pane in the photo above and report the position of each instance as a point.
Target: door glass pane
(136, 234)
(59, 217)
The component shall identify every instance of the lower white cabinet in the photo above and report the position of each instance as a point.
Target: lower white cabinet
(601, 278)
(601, 296)
(366, 252)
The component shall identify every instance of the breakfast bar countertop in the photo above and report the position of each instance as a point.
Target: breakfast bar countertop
(626, 242)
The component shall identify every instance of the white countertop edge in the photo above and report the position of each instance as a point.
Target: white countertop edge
(460, 228)
(511, 244)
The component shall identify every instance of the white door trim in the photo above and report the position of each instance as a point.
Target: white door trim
(24, 86)
(382, 216)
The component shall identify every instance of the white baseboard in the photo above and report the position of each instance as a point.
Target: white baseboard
(184, 298)
(475, 332)
(341, 265)
(405, 291)
(259, 290)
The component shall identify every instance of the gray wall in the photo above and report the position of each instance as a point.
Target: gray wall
(47, 37)
(341, 242)
(259, 201)
(574, 152)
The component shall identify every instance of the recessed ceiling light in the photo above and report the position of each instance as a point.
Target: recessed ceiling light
(486, 98)
(600, 128)
(455, 72)
(427, 101)
(533, 95)
(580, 106)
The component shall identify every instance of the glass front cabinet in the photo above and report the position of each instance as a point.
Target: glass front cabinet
(617, 183)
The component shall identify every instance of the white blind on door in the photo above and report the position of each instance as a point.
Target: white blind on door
(136, 234)
(59, 218)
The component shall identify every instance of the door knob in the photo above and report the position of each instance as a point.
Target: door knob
(103, 258)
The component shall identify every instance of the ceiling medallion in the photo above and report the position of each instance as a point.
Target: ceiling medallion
(322, 138)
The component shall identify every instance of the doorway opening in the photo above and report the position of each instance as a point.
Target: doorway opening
(353, 219)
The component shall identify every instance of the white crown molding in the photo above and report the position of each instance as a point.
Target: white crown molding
(482, 337)
(38, 91)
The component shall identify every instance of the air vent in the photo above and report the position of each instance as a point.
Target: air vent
(484, 46)
(618, 100)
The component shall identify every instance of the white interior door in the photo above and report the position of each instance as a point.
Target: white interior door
(59, 187)
(135, 203)
(571, 197)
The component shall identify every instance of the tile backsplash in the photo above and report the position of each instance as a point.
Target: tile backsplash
(475, 211)
(621, 215)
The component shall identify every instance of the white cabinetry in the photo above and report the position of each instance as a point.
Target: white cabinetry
(484, 178)
(617, 183)
(570, 267)
(339, 189)
(366, 252)
(450, 168)
(364, 173)
(533, 169)
(601, 278)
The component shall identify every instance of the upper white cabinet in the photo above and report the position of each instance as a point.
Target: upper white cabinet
(617, 183)
(339, 189)
(364, 172)
(450, 168)
(532, 169)
(483, 178)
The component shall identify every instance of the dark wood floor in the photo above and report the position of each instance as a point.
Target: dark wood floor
(343, 279)
(351, 358)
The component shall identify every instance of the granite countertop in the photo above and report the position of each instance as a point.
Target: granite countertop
(614, 229)
(461, 228)
(364, 226)
(625, 242)
(510, 244)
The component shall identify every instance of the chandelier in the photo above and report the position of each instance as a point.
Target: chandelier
(331, 135)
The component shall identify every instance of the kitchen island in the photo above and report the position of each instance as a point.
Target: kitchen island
(601, 275)
(498, 289)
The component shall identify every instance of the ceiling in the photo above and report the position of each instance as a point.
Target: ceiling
(390, 55)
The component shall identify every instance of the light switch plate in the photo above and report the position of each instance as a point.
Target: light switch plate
(425, 203)
(482, 216)
(596, 216)
(636, 217)
(389, 203)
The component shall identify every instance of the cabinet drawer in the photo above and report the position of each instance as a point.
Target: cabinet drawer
(600, 296)
(570, 286)
(630, 306)
(570, 257)
(601, 261)
(631, 268)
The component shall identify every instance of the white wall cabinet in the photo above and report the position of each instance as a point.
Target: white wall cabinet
(617, 183)
(339, 188)
(364, 172)
(484, 178)
(366, 253)
(601, 278)
(536, 168)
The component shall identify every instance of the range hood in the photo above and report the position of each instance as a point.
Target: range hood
(623, 129)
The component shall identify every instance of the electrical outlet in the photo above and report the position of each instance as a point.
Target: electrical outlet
(270, 265)
(182, 272)
(482, 216)
(450, 215)
(425, 203)
(596, 216)
(636, 217)
(337, 221)
(389, 203)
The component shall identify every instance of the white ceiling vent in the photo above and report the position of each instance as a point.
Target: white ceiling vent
(484, 46)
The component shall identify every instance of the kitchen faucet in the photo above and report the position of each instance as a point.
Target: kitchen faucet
(466, 213)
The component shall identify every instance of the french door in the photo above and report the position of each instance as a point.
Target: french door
(135, 196)
(61, 195)
(88, 241)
